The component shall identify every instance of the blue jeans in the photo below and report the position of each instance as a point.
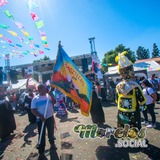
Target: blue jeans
(49, 124)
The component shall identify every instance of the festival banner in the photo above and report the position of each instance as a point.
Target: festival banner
(71, 82)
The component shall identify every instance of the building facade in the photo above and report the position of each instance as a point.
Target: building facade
(42, 71)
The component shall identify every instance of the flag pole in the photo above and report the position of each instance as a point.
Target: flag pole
(42, 127)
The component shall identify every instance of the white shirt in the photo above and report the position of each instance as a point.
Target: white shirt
(150, 91)
(39, 103)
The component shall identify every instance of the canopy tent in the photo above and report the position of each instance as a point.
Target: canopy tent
(150, 67)
(22, 84)
(140, 73)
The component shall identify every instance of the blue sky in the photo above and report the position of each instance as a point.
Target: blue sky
(132, 23)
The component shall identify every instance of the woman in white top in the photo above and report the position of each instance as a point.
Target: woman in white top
(150, 96)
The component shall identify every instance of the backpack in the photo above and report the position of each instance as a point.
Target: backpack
(158, 96)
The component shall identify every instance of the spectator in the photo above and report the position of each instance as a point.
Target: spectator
(13, 101)
(97, 113)
(137, 80)
(7, 120)
(150, 96)
(60, 105)
(154, 82)
(27, 104)
(68, 102)
(99, 88)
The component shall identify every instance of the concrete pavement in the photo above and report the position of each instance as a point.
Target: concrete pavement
(22, 144)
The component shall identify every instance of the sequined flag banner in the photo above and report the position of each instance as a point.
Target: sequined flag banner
(71, 82)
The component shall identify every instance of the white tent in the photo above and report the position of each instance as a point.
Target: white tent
(32, 83)
(150, 66)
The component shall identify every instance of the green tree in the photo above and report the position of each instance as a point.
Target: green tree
(142, 53)
(110, 55)
(155, 52)
(42, 59)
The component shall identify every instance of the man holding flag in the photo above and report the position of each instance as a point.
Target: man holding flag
(71, 82)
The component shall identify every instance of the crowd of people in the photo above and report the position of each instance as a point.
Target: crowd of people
(34, 102)
(129, 94)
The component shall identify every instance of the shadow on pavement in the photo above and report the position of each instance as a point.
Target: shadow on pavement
(65, 118)
(30, 133)
(32, 156)
(73, 110)
(22, 113)
(152, 152)
(157, 123)
(4, 144)
(110, 152)
(157, 126)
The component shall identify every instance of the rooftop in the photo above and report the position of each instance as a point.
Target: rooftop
(150, 59)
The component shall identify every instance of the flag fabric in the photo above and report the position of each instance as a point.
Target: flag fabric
(3, 26)
(3, 2)
(8, 14)
(96, 66)
(12, 33)
(19, 25)
(71, 82)
(34, 16)
(31, 4)
(25, 33)
(39, 24)
(42, 33)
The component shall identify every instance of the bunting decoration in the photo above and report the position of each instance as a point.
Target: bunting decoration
(39, 24)
(3, 2)
(24, 32)
(31, 4)
(16, 49)
(8, 14)
(3, 26)
(34, 16)
(19, 25)
(12, 33)
(71, 82)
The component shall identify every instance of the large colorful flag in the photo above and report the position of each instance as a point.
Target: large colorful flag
(71, 82)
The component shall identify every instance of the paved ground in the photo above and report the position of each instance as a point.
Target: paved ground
(22, 144)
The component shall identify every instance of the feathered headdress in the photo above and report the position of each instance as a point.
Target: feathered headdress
(122, 60)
